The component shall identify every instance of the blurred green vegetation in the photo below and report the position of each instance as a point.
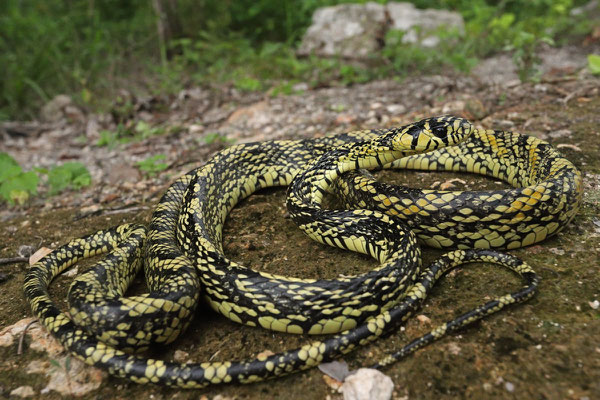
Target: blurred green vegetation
(17, 186)
(90, 48)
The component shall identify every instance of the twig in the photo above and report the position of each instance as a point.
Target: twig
(109, 212)
(20, 348)
(13, 260)
(578, 92)
(124, 210)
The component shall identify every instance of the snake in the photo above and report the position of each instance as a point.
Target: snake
(182, 256)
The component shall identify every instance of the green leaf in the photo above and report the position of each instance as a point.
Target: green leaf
(152, 165)
(248, 84)
(18, 188)
(594, 63)
(69, 175)
(8, 167)
(216, 137)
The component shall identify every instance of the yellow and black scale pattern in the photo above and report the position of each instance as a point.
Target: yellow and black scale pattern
(546, 195)
(183, 253)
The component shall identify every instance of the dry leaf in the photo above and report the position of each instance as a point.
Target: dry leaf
(332, 382)
(338, 370)
(38, 255)
(450, 183)
(568, 146)
(264, 354)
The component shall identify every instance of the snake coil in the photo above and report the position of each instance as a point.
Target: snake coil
(182, 248)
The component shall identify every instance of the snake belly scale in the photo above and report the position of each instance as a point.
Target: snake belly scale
(183, 254)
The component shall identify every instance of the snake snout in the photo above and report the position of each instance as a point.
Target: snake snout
(450, 130)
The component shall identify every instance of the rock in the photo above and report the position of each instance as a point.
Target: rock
(591, 10)
(121, 172)
(4, 277)
(560, 133)
(74, 114)
(396, 109)
(367, 384)
(498, 70)
(92, 129)
(347, 30)
(53, 111)
(557, 59)
(195, 93)
(181, 356)
(23, 391)
(357, 30)
(509, 386)
(25, 250)
(71, 377)
(420, 25)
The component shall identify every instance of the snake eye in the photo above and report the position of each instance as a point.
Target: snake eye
(440, 130)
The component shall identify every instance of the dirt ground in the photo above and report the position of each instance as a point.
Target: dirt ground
(547, 348)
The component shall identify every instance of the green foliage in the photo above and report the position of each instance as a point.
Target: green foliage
(52, 46)
(259, 21)
(86, 49)
(452, 53)
(144, 130)
(519, 27)
(70, 175)
(594, 64)
(216, 137)
(152, 165)
(140, 131)
(248, 84)
(110, 139)
(16, 186)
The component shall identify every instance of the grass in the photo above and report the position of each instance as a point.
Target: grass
(152, 165)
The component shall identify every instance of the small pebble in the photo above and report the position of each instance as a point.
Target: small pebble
(368, 384)
(510, 387)
(181, 356)
(23, 391)
(25, 251)
(4, 277)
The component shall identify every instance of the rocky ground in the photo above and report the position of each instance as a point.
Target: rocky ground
(548, 348)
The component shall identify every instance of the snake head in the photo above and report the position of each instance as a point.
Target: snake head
(433, 133)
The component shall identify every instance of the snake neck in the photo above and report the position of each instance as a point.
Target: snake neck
(318, 179)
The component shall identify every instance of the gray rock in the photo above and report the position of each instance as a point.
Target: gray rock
(500, 69)
(591, 9)
(367, 384)
(357, 30)
(420, 25)
(54, 110)
(347, 30)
